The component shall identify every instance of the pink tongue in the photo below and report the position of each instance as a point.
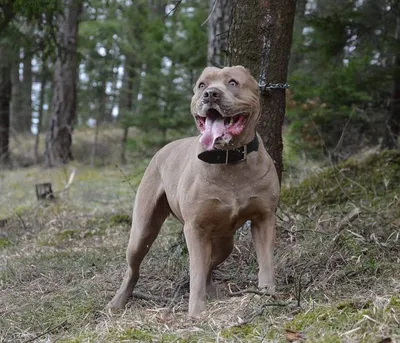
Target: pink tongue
(214, 129)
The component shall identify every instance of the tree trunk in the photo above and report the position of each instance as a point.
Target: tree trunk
(126, 105)
(260, 37)
(297, 55)
(26, 88)
(21, 104)
(392, 135)
(218, 27)
(393, 123)
(5, 100)
(16, 101)
(43, 83)
(63, 107)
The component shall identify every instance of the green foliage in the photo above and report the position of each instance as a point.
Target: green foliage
(342, 75)
(366, 181)
(136, 59)
(174, 57)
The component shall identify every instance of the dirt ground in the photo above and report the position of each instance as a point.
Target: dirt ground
(337, 263)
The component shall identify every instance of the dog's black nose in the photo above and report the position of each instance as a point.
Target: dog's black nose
(211, 95)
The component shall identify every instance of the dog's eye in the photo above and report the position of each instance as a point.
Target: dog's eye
(202, 85)
(233, 82)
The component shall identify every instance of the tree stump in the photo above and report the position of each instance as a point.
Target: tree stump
(44, 191)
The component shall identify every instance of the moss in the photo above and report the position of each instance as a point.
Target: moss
(67, 234)
(4, 242)
(242, 332)
(395, 303)
(120, 218)
(327, 323)
(375, 176)
(135, 335)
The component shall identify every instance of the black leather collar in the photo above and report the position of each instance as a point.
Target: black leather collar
(219, 156)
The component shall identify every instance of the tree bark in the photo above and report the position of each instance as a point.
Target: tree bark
(43, 83)
(21, 104)
(26, 88)
(16, 102)
(63, 107)
(218, 28)
(393, 123)
(260, 37)
(126, 105)
(392, 133)
(5, 100)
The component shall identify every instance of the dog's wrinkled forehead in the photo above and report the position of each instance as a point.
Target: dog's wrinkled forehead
(239, 74)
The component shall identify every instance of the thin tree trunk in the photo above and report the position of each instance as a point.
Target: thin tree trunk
(392, 136)
(63, 108)
(101, 115)
(26, 89)
(5, 100)
(126, 105)
(123, 144)
(16, 99)
(260, 37)
(95, 142)
(218, 27)
(43, 83)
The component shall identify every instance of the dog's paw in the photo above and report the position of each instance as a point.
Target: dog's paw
(267, 290)
(117, 303)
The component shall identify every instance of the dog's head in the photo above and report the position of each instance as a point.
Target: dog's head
(226, 106)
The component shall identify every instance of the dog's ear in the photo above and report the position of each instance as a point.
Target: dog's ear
(243, 69)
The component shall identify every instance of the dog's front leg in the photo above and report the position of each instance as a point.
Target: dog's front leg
(263, 234)
(200, 247)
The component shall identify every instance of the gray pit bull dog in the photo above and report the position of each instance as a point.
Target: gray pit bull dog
(213, 184)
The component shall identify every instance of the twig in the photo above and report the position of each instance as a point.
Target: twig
(176, 293)
(211, 12)
(247, 291)
(70, 180)
(348, 218)
(46, 332)
(258, 313)
(178, 3)
(21, 220)
(125, 177)
(298, 295)
(339, 143)
(151, 297)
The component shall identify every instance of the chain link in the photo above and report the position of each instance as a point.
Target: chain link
(273, 86)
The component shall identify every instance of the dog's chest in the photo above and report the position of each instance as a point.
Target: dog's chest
(225, 207)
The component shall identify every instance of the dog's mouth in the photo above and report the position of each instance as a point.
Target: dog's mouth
(215, 127)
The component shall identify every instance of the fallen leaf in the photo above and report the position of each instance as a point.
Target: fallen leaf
(386, 340)
(294, 336)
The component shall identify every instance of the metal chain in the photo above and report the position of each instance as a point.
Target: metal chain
(273, 86)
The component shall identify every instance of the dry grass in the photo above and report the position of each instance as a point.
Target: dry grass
(62, 261)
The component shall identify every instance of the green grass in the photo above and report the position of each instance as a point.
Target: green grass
(63, 260)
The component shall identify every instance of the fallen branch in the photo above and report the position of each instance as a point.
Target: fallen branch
(348, 218)
(248, 291)
(258, 313)
(46, 332)
(70, 180)
(211, 12)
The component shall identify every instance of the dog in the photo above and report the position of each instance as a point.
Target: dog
(213, 184)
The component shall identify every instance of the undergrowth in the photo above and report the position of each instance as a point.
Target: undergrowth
(337, 263)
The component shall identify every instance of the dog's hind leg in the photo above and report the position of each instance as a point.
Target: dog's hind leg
(150, 210)
(221, 249)
(263, 234)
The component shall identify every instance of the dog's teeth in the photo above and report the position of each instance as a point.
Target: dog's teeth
(231, 121)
